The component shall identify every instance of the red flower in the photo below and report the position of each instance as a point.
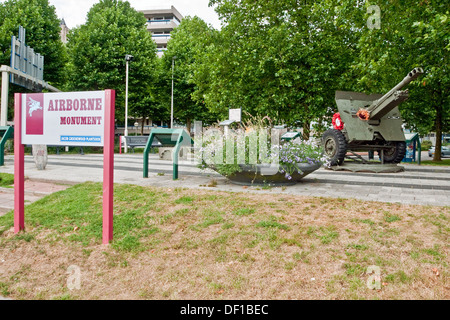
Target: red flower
(337, 122)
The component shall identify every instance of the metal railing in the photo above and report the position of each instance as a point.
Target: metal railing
(165, 21)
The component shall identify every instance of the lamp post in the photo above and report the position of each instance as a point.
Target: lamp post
(171, 102)
(128, 58)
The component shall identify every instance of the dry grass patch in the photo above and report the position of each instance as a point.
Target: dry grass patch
(203, 244)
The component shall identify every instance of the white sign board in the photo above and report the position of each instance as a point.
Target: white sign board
(234, 114)
(64, 118)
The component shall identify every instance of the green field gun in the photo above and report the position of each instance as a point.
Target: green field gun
(369, 123)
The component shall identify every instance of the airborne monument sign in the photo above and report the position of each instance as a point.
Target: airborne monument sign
(65, 118)
(75, 118)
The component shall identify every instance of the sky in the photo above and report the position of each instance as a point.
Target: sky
(74, 11)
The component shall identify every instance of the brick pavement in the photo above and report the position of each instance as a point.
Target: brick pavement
(34, 190)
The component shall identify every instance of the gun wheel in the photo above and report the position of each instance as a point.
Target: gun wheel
(396, 153)
(335, 146)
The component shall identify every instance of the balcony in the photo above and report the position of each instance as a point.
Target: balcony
(166, 36)
(162, 24)
(161, 38)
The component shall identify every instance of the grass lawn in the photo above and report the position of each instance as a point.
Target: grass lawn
(6, 179)
(444, 162)
(202, 244)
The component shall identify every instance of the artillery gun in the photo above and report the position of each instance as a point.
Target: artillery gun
(369, 123)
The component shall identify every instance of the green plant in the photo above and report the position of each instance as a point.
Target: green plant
(244, 211)
(426, 145)
(272, 223)
(4, 289)
(252, 144)
(391, 218)
(185, 200)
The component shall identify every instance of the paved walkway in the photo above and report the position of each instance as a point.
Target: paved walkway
(34, 190)
(427, 185)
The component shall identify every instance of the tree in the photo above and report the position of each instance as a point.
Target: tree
(159, 101)
(412, 34)
(284, 59)
(186, 45)
(98, 48)
(39, 19)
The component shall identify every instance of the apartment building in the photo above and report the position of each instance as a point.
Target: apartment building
(160, 23)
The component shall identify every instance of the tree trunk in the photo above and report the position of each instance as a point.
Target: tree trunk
(142, 126)
(188, 125)
(306, 123)
(306, 130)
(438, 125)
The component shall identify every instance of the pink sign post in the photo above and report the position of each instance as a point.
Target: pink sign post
(108, 168)
(67, 118)
(19, 166)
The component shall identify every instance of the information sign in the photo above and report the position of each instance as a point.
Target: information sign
(64, 118)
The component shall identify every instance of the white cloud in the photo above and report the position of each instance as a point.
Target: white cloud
(74, 11)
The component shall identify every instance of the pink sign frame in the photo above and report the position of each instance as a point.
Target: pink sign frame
(108, 166)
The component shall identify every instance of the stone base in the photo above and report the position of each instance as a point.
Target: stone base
(252, 175)
(40, 155)
(368, 167)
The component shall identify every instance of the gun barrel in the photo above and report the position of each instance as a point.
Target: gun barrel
(412, 75)
(393, 98)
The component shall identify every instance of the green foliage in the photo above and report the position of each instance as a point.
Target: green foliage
(285, 58)
(185, 47)
(277, 58)
(98, 48)
(160, 94)
(426, 145)
(39, 19)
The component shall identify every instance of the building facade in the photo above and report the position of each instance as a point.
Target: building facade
(64, 31)
(160, 23)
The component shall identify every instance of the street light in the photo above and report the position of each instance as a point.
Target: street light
(128, 58)
(171, 103)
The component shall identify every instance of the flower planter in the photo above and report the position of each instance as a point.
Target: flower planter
(254, 175)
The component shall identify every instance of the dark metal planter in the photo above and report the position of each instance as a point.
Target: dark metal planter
(260, 174)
